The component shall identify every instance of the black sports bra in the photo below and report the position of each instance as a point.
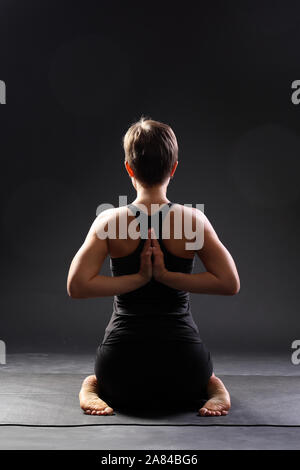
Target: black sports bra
(153, 310)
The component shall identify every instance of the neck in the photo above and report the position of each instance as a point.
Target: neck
(152, 195)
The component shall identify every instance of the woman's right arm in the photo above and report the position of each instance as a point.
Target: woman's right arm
(84, 280)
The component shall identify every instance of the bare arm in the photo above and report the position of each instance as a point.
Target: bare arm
(84, 280)
(221, 276)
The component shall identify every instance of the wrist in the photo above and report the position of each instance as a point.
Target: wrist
(163, 276)
(141, 279)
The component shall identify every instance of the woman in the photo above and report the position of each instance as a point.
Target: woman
(152, 355)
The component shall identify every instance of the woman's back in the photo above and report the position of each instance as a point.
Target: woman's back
(125, 215)
(153, 311)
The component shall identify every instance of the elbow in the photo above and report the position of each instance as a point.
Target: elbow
(75, 295)
(75, 291)
(233, 291)
(233, 287)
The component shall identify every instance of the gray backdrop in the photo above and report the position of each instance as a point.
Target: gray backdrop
(77, 75)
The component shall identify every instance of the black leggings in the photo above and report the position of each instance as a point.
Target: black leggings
(153, 375)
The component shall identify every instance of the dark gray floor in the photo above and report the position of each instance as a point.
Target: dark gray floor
(52, 400)
(137, 437)
(224, 364)
(147, 437)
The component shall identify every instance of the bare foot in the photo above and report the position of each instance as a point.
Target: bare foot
(89, 400)
(218, 403)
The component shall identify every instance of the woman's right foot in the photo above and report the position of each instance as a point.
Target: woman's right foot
(218, 403)
(90, 402)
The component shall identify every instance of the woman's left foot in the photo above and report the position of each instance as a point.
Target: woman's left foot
(90, 402)
(218, 403)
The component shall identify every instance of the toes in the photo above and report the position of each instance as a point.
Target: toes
(215, 412)
(204, 412)
(97, 411)
(109, 410)
(105, 411)
(209, 412)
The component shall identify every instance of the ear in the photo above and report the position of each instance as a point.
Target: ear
(174, 169)
(129, 169)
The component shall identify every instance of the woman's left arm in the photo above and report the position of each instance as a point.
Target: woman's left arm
(221, 276)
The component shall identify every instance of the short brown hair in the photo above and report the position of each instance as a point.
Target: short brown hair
(151, 150)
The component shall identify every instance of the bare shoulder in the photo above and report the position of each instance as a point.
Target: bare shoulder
(107, 223)
(191, 215)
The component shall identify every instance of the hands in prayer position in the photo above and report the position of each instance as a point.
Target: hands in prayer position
(152, 259)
